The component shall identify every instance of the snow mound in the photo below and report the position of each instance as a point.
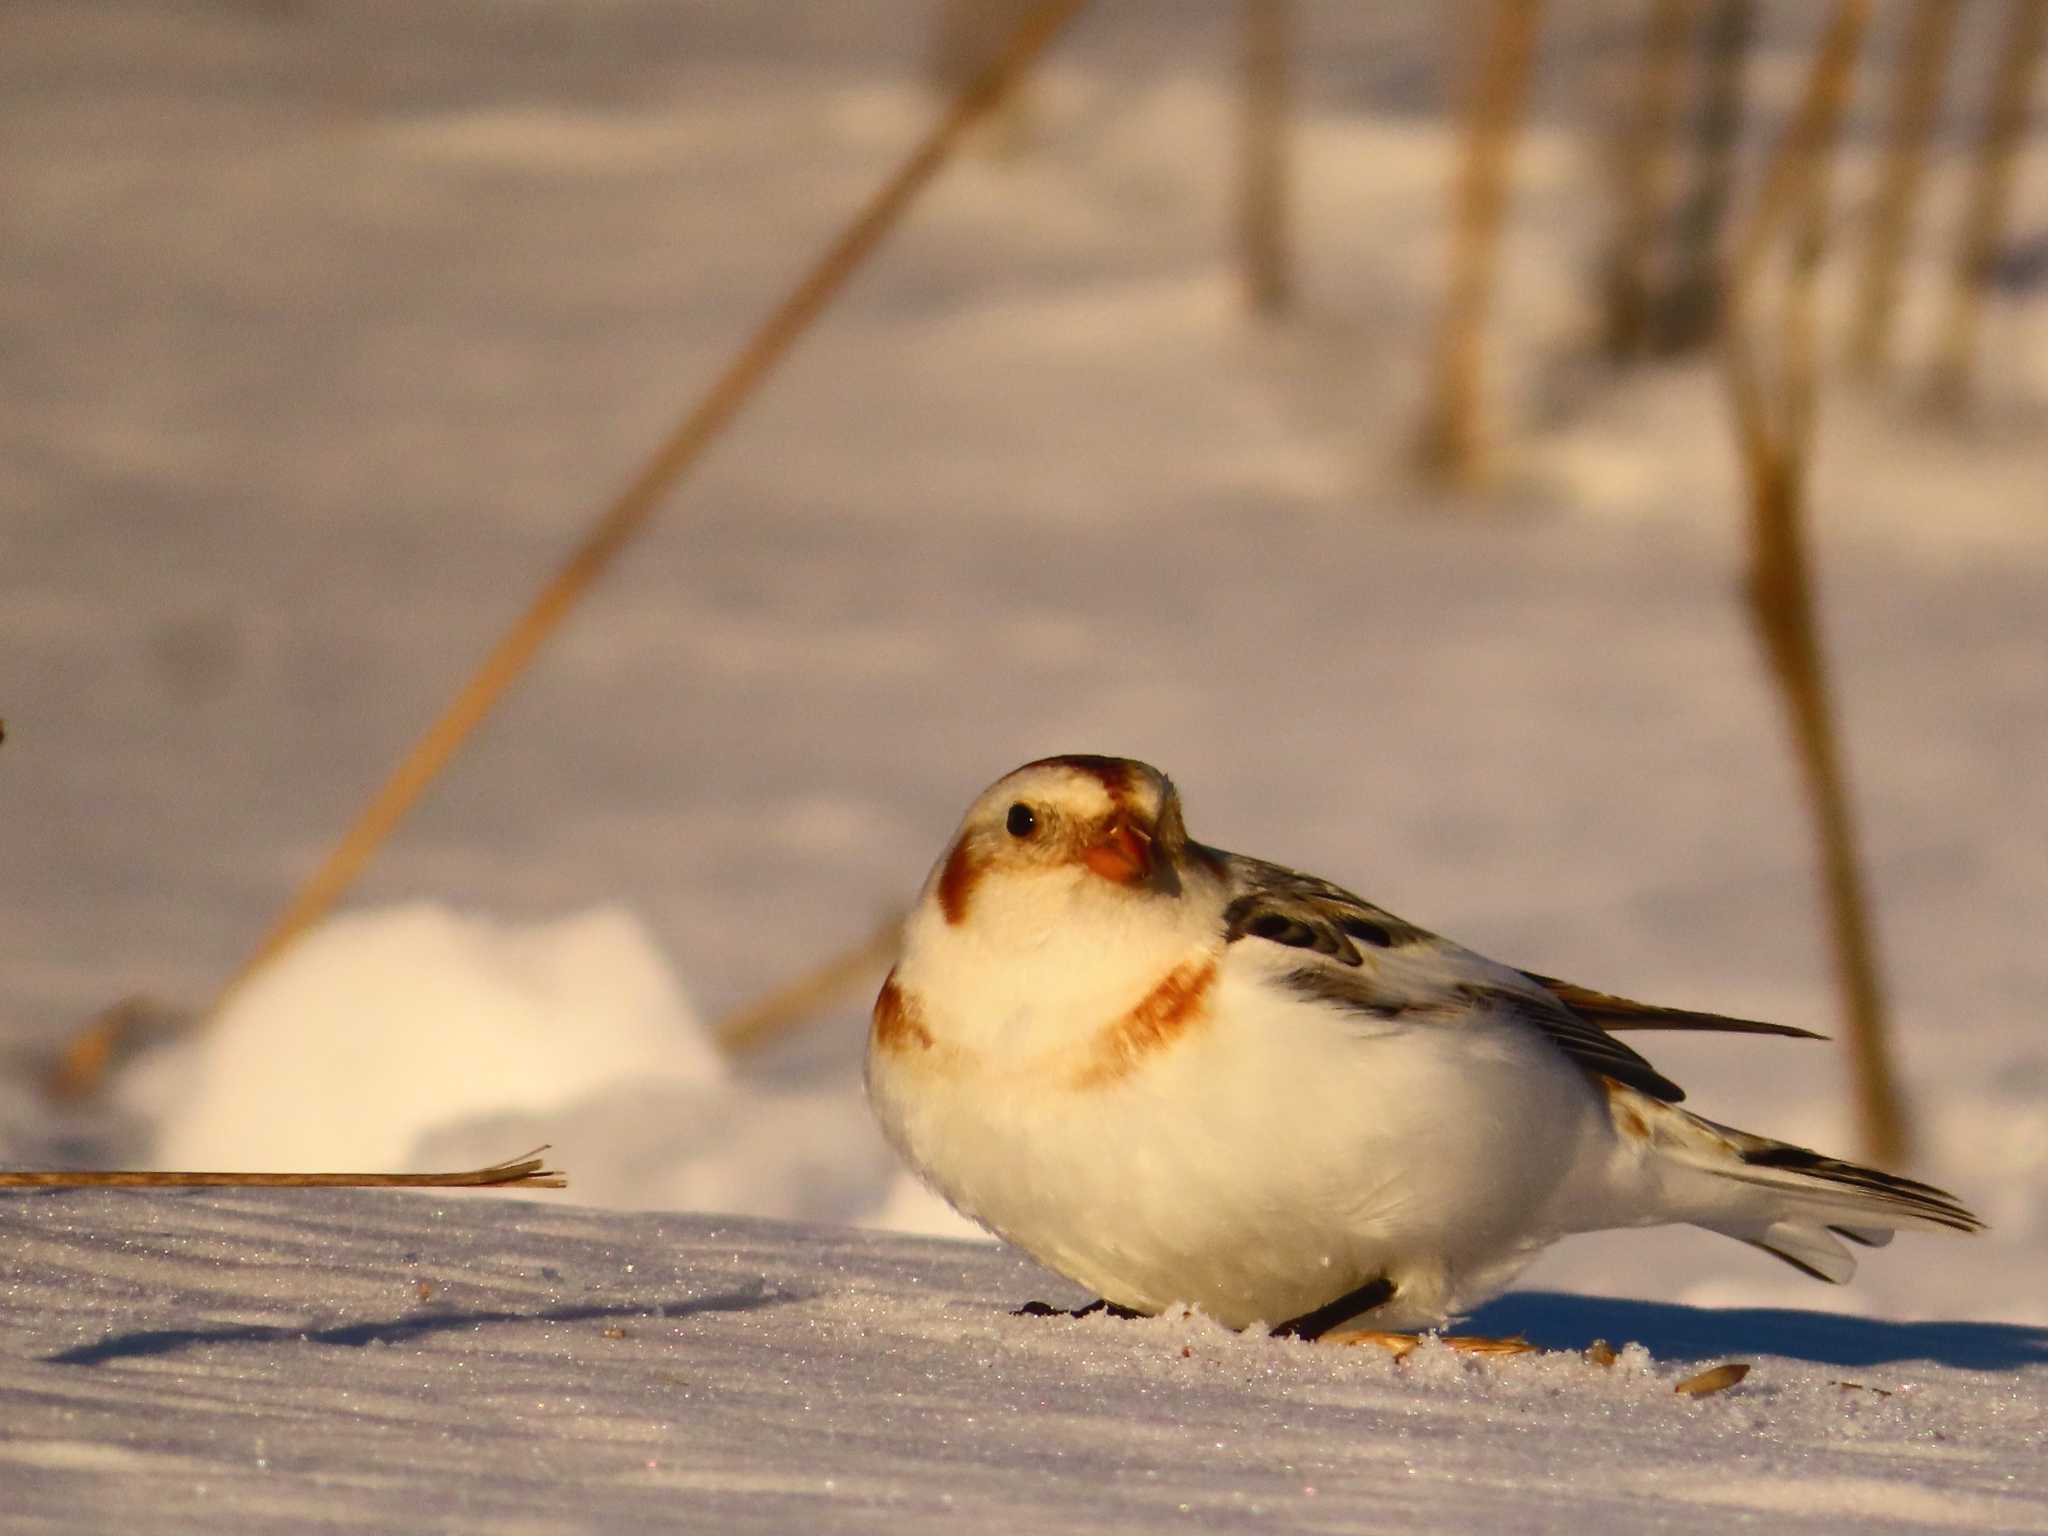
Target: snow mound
(418, 1037)
(383, 1026)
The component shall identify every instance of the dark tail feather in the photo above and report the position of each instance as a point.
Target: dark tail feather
(1822, 1200)
(1877, 1193)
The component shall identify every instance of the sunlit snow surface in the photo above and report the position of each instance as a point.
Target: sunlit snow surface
(322, 330)
(404, 1363)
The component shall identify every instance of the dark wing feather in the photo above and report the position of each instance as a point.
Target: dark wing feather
(1286, 907)
(1598, 1052)
(1611, 1012)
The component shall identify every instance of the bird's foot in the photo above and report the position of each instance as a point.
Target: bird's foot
(1401, 1345)
(1046, 1309)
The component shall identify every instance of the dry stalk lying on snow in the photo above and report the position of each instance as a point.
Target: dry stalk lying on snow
(527, 1172)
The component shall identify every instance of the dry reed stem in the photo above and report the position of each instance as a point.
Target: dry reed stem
(1449, 445)
(1774, 420)
(1268, 44)
(1640, 153)
(1916, 102)
(1990, 202)
(122, 1027)
(85, 1060)
(756, 1023)
(527, 1172)
(966, 35)
(1688, 311)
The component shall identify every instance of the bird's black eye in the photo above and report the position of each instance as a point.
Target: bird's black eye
(1021, 822)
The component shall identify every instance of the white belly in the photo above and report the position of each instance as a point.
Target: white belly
(1277, 1157)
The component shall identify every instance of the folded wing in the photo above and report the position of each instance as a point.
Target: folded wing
(1414, 975)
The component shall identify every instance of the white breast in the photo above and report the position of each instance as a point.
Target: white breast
(1271, 1155)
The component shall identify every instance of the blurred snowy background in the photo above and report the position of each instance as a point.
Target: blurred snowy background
(325, 327)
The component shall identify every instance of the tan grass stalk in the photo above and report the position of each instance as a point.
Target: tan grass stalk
(1774, 420)
(1640, 152)
(1688, 310)
(1449, 446)
(2005, 125)
(1262, 232)
(966, 35)
(756, 1023)
(1916, 102)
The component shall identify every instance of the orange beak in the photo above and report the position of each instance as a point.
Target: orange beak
(1124, 854)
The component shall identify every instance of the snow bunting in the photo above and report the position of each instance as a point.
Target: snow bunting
(1179, 1075)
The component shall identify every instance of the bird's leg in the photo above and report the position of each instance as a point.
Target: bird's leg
(1046, 1309)
(1316, 1324)
(1322, 1325)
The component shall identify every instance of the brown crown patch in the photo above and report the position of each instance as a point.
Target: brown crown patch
(957, 881)
(1114, 774)
(1161, 1017)
(899, 1021)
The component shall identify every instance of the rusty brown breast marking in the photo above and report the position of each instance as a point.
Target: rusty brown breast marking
(1160, 1018)
(899, 1021)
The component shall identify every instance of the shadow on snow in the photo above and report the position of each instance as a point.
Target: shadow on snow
(1555, 1320)
(168, 1341)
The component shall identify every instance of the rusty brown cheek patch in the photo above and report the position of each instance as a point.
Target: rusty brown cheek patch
(899, 1022)
(1161, 1017)
(956, 883)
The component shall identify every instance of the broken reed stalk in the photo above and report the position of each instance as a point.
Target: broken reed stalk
(86, 1058)
(755, 1024)
(1990, 201)
(1774, 420)
(1916, 102)
(1688, 310)
(526, 1172)
(1640, 152)
(1268, 46)
(1449, 444)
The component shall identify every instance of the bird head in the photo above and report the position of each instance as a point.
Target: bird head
(1082, 823)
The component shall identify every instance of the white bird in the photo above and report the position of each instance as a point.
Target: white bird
(1177, 1075)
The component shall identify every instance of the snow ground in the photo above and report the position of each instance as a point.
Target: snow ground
(401, 1363)
(322, 329)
